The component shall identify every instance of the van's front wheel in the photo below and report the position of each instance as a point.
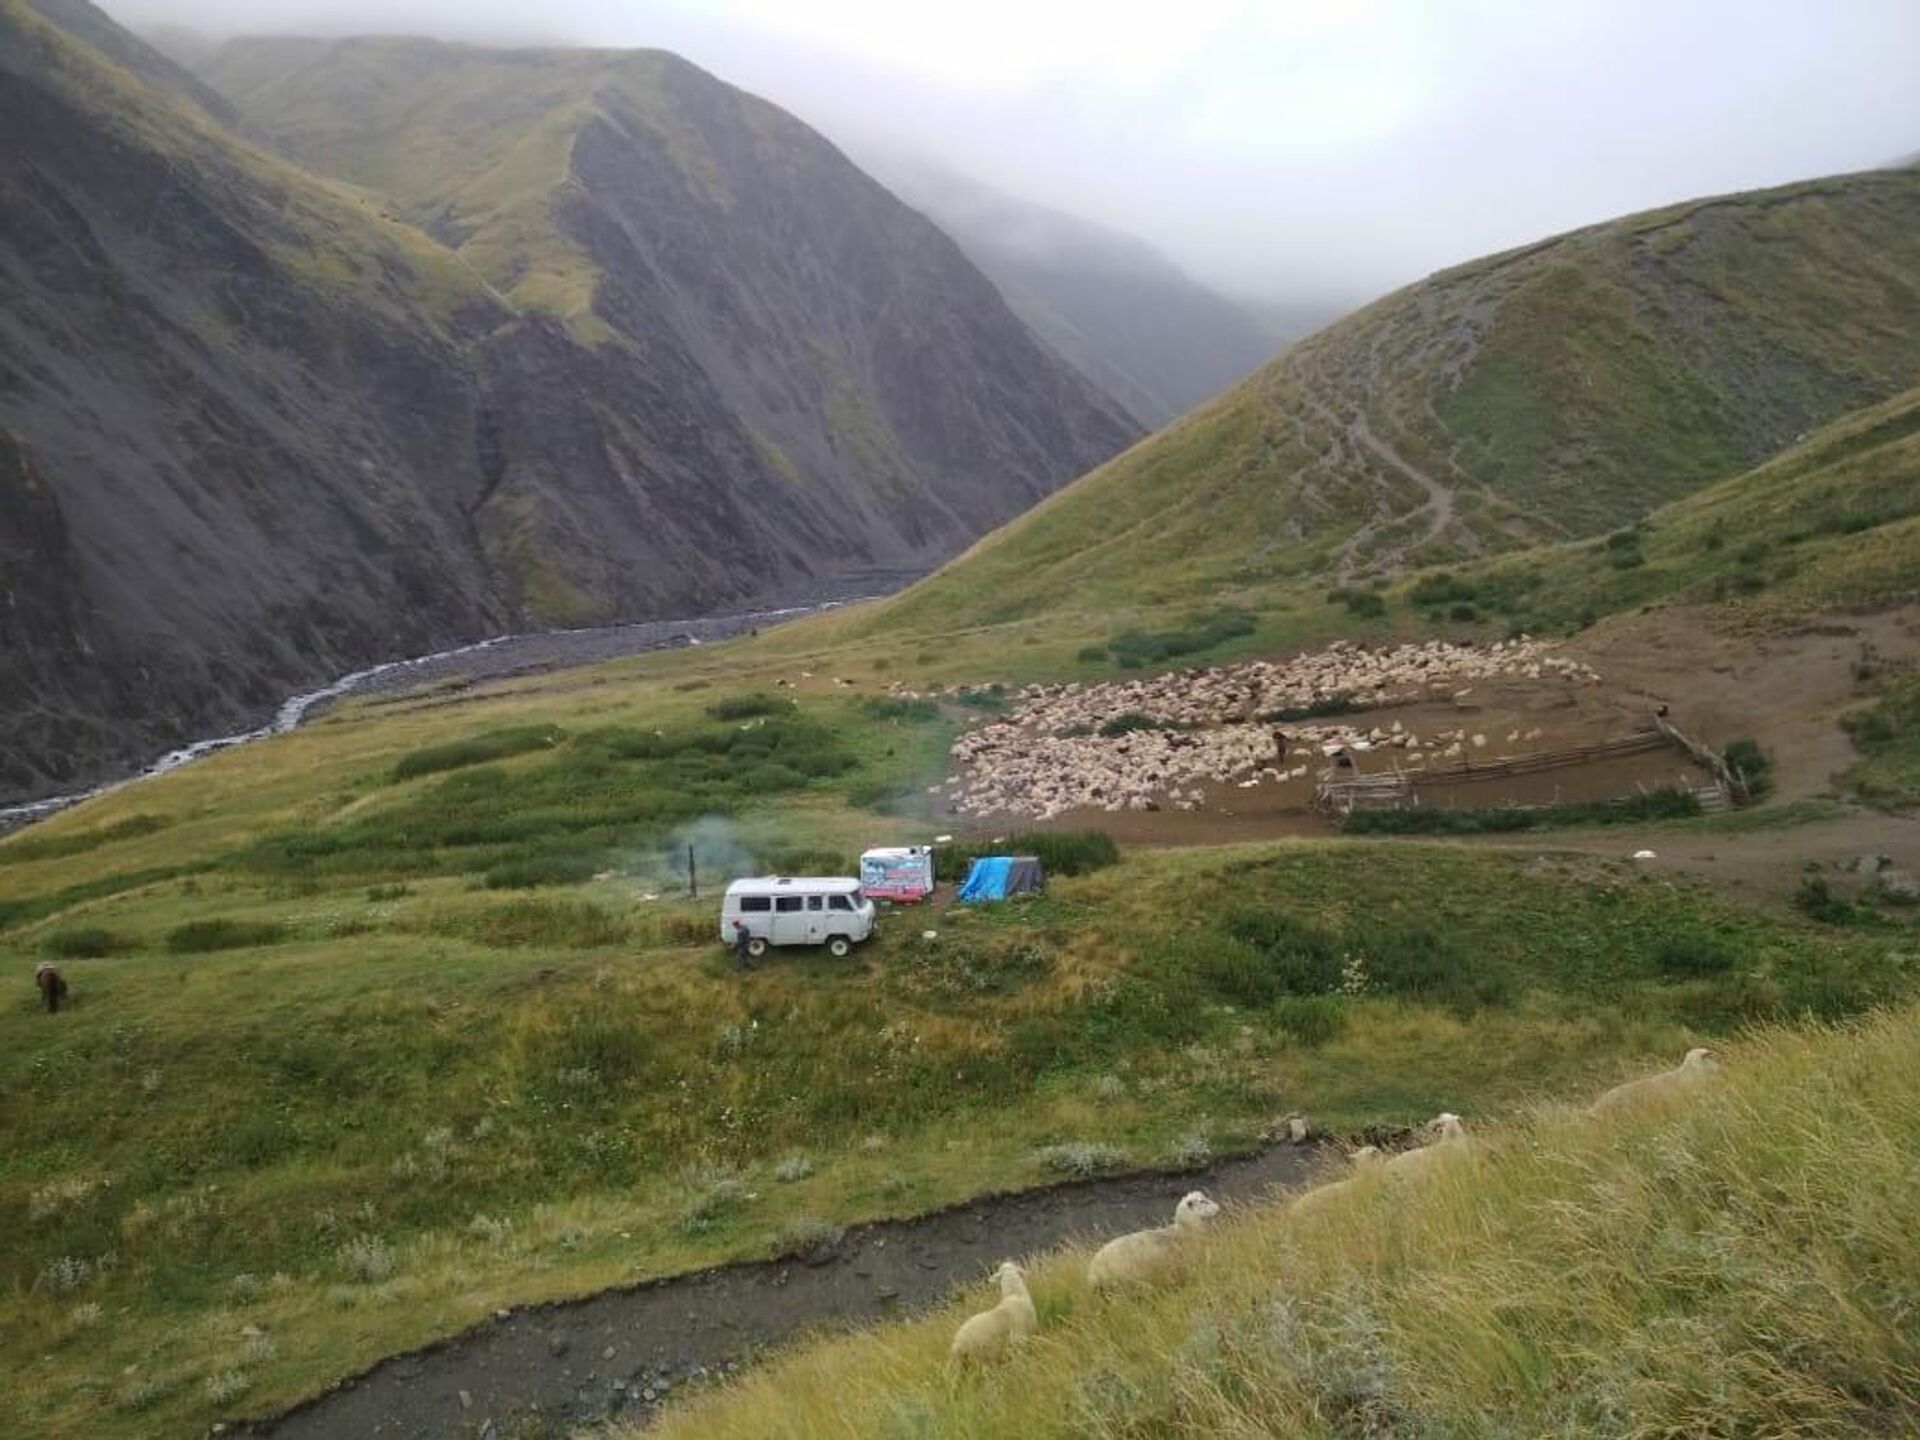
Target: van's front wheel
(839, 947)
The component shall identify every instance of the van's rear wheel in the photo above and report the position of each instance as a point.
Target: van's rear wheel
(757, 946)
(839, 947)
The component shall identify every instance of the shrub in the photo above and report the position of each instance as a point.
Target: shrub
(1338, 704)
(1439, 589)
(476, 750)
(713, 1193)
(90, 942)
(807, 1237)
(1629, 809)
(1060, 852)
(366, 1260)
(1091, 652)
(889, 707)
(1361, 604)
(1691, 953)
(1752, 764)
(792, 1168)
(1136, 649)
(199, 937)
(749, 707)
(1080, 1159)
(1129, 722)
(1816, 900)
(991, 697)
(1463, 610)
(1310, 1020)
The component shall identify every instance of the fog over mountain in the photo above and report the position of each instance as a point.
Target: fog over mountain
(1280, 150)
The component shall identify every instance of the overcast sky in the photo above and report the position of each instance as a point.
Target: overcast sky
(1280, 148)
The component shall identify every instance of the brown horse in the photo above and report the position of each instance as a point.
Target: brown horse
(53, 987)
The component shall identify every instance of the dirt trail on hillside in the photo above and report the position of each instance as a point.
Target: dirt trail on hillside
(544, 1370)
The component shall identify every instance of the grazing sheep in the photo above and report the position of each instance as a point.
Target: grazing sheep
(1366, 1158)
(1700, 1064)
(986, 1337)
(1412, 1164)
(1146, 1254)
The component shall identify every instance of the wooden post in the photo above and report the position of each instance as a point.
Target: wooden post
(693, 879)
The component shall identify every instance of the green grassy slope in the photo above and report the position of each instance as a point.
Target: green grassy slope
(469, 144)
(373, 1021)
(1554, 391)
(1833, 524)
(1737, 1264)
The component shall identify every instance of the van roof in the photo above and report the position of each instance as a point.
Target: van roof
(795, 885)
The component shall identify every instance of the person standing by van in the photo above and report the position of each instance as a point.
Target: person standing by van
(742, 938)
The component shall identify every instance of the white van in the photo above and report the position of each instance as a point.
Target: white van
(797, 910)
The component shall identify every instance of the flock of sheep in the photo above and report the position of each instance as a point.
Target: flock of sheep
(1149, 1255)
(1051, 754)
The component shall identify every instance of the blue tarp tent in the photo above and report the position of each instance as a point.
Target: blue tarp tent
(995, 877)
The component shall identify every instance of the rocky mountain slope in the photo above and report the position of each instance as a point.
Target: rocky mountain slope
(1118, 309)
(1550, 392)
(664, 349)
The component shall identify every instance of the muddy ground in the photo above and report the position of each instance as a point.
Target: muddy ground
(544, 1370)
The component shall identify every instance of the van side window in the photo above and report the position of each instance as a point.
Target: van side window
(787, 904)
(840, 902)
(816, 902)
(755, 903)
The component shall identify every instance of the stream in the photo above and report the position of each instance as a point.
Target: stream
(548, 1370)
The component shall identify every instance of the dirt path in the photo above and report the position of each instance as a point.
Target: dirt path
(547, 1369)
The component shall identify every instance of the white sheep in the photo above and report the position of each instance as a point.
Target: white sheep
(1412, 1164)
(1146, 1254)
(1365, 1159)
(1700, 1063)
(986, 1337)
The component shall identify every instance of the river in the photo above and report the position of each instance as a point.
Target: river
(499, 657)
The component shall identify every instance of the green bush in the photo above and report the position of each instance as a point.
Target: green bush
(199, 937)
(1752, 764)
(1428, 820)
(749, 707)
(1690, 954)
(1361, 604)
(476, 750)
(1137, 649)
(1463, 611)
(1341, 704)
(1293, 957)
(91, 942)
(1310, 1019)
(1091, 652)
(1060, 852)
(1130, 722)
(1439, 590)
(991, 698)
(889, 707)
(1815, 899)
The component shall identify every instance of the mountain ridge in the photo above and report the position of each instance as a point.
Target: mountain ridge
(286, 433)
(1554, 390)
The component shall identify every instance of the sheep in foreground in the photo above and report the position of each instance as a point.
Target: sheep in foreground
(1146, 1254)
(1450, 1140)
(986, 1337)
(1699, 1065)
(1365, 1159)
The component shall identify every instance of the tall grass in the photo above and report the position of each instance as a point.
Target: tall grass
(1060, 852)
(1741, 1262)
